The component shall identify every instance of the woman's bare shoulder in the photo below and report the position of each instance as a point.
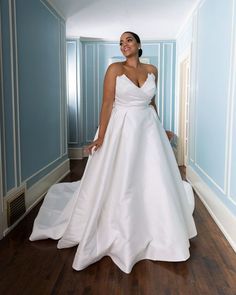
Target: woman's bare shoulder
(115, 68)
(151, 69)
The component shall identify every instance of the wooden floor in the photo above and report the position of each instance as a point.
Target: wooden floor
(40, 268)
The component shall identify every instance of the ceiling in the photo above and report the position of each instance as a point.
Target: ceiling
(107, 19)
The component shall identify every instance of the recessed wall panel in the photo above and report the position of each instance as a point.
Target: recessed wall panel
(213, 56)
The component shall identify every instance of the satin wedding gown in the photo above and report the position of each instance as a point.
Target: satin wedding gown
(131, 203)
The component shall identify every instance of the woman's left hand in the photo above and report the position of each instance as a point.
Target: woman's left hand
(96, 143)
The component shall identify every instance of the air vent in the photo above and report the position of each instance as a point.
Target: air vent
(15, 207)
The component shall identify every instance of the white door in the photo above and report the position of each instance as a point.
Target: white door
(184, 83)
(186, 110)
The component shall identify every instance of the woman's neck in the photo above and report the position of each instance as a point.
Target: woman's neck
(132, 62)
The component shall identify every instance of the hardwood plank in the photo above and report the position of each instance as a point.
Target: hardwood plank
(40, 268)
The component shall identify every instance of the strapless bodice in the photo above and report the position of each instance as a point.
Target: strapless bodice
(130, 95)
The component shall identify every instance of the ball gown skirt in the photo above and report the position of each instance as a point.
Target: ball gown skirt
(131, 203)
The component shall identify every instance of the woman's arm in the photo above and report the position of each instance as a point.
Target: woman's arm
(155, 72)
(153, 104)
(108, 99)
(106, 108)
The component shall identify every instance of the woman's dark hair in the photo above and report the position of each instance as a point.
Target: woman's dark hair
(140, 51)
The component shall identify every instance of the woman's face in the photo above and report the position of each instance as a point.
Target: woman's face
(128, 45)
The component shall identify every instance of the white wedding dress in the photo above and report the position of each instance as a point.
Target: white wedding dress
(131, 203)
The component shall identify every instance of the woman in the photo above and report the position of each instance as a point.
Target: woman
(132, 68)
(131, 203)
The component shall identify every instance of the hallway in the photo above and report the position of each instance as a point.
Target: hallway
(39, 268)
(53, 58)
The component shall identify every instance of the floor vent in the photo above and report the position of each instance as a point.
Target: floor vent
(15, 207)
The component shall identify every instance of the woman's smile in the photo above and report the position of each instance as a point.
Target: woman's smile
(126, 48)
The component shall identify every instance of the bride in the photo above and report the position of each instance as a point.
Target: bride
(131, 203)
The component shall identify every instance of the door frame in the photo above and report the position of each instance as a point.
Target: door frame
(1, 157)
(183, 59)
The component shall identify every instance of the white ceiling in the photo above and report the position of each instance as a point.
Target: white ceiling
(107, 19)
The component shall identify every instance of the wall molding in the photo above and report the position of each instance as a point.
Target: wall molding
(76, 141)
(196, 75)
(188, 18)
(15, 89)
(229, 123)
(161, 99)
(230, 109)
(94, 87)
(158, 83)
(1, 131)
(165, 45)
(63, 88)
(16, 148)
(210, 178)
(162, 86)
(57, 15)
(171, 88)
(36, 192)
(107, 40)
(2, 121)
(193, 88)
(86, 139)
(60, 91)
(50, 5)
(41, 170)
(98, 84)
(16, 93)
(225, 220)
(229, 115)
(41, 186)
(77, 153)
(80, 90)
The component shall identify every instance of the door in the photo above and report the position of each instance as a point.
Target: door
(184, 111)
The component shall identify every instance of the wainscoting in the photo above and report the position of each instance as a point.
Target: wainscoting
(211, 166)
(33, 105)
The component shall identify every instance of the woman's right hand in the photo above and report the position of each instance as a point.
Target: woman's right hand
(96, 143)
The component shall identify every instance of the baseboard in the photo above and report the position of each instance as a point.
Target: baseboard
(77, 153)
(35, 193)
(42, 186)
(222, 216)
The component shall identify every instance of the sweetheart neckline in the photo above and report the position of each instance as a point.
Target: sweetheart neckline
(149, 74)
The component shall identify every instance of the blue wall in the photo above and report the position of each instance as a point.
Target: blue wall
(33, 113)
(233, 151)
(86, 90)
(7, 107)
(212, 103)
(213, 82)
